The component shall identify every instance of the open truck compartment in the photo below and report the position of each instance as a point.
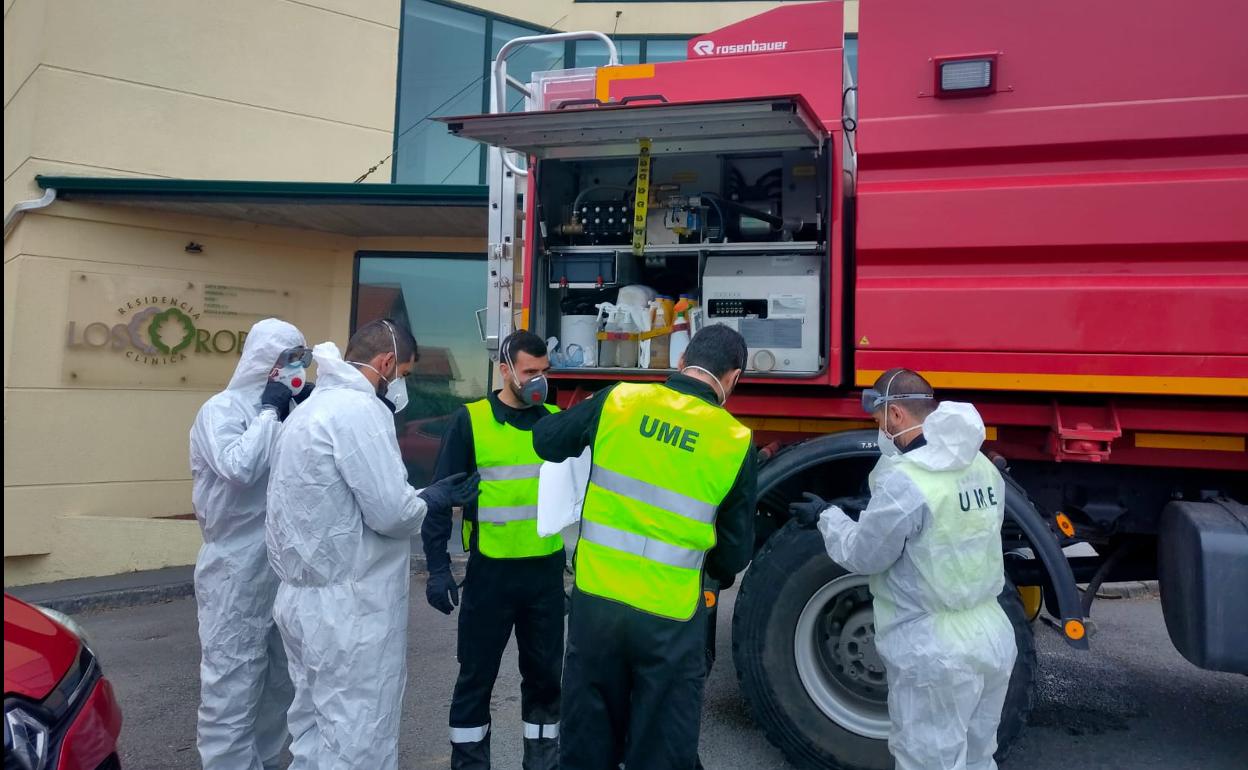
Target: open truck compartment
(658, 218)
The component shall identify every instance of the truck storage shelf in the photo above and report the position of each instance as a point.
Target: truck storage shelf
(613, 130)
(743, 248)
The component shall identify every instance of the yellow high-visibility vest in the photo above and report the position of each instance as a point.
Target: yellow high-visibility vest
(507, 506)
(663, 463)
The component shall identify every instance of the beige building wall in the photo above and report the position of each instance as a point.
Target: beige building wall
(678, 18)
(228, 89)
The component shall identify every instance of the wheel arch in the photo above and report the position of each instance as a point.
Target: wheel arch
(861, 444)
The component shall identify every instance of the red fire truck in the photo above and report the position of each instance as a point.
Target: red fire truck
(1041, 207)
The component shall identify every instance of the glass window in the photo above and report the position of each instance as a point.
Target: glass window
(436, 296)
(442, 61)
(666, 50)
(592, 53)
(524, 62)
(851, 55)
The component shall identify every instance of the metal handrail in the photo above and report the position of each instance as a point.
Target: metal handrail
(499, 79)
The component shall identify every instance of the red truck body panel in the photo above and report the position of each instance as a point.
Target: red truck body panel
(1068, 250)
(1082, 229)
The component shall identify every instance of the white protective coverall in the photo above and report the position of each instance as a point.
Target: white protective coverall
(244, 685)
(341, 515)
(931, 542)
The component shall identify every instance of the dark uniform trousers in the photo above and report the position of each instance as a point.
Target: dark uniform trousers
(500, 595)
(632, 688)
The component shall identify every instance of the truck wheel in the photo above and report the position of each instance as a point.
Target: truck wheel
(803, 643)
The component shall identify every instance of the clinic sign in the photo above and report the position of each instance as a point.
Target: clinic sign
(155, 331)
(148, 331)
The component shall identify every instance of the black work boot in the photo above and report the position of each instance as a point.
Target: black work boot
(541, 754)
(471, 756)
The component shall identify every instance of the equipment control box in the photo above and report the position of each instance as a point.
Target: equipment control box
(773, 301)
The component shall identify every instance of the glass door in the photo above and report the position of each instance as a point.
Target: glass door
(436, 295)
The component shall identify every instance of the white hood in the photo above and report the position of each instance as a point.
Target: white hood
(264, 342)
(333, 372)
(954, 434)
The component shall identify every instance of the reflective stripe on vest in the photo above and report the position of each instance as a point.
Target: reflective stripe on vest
(507, 507)
(663, 463)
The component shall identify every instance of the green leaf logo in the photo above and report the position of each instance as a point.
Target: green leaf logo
(167, 326)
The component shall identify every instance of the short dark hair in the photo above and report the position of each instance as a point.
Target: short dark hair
(523, 341)
(717, 349)
(374, 339)
(907, 382)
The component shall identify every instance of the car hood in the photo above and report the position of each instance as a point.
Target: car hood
(37, 650)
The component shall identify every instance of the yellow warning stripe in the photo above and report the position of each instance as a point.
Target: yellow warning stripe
(602, 80)
(641, 203)
(1078, 383)
(1189, 441)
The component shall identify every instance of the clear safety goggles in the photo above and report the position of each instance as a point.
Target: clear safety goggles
(296, 356)
(873, 399)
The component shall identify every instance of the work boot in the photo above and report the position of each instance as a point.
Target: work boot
(541, 754)
(471, 756)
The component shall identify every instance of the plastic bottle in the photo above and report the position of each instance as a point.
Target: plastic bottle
(626, 349)
(680, 340)
(660, 346)
(682, 306)
(669, 310)
(606, 348)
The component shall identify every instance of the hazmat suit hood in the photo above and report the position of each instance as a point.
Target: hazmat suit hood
(954, 433)
(264, 342)
(333, 372)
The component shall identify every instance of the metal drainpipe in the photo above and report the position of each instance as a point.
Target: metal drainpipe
(19, 208)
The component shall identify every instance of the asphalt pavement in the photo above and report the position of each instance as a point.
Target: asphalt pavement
(1132, 703)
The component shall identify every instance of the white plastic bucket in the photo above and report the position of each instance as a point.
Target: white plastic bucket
(580, 330)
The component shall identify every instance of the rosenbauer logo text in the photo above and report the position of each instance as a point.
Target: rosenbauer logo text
(708, 47)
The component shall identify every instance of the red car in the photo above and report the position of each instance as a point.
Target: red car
(59, 710)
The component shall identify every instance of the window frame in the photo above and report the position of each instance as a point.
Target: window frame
(569, 52)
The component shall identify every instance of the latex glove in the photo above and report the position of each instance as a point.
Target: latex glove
(302, 395)
(806, 514)
(442, 592)
(276, 396)
(455, 490)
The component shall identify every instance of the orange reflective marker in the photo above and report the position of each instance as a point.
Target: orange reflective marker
(710, 598)
(1065, 525)
(1074, 629)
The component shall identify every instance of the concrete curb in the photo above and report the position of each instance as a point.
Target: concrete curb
(1136, 589)
(75, 597)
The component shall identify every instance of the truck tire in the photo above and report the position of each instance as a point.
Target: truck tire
(827, 709)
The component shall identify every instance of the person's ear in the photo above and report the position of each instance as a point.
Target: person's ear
(898, 417)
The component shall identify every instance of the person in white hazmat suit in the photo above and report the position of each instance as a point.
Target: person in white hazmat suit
(341, 519)
(930, 538)
(244, 686)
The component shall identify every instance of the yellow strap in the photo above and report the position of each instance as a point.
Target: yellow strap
(641, 202)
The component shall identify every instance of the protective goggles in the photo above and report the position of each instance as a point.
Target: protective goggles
(296, 356)
(873, 399)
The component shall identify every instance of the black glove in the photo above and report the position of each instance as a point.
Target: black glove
(442, 592)
(277, 396)
(454, 490)
(852, 506)
(302, 395)
(807, 514)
